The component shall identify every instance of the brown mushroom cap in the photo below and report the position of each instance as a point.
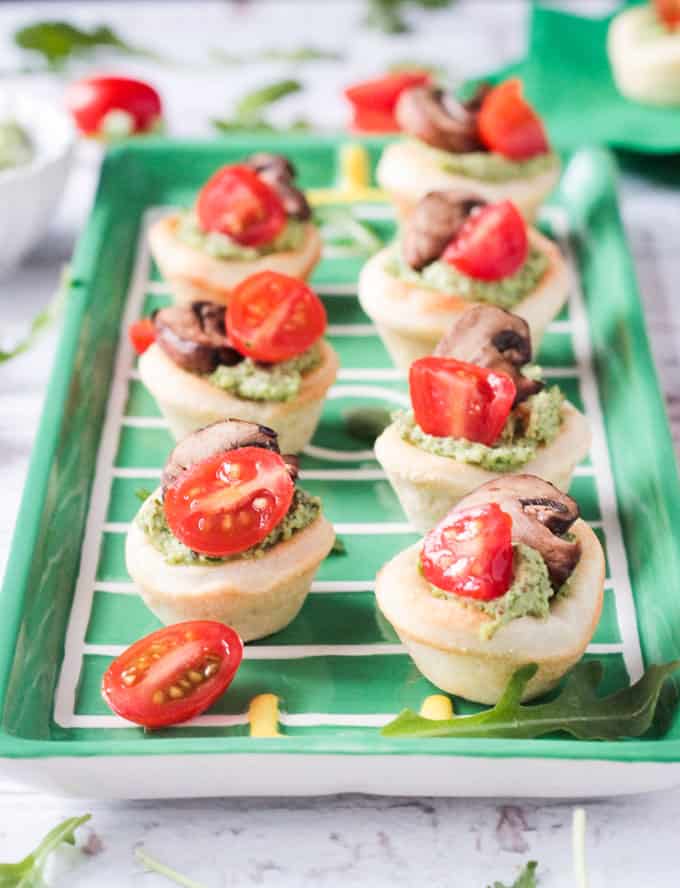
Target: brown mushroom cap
(435, 221)
(491, 337)
(437, 118)
(227, 434)
(540, 514)
(277, 171)
(194, 336)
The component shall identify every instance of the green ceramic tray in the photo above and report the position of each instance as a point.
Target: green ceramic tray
(68, 605)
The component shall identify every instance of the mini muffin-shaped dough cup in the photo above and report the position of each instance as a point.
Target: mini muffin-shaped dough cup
(442, 635)
(646, 68)
(193, 275)
(429, 486)
(407, 171)
(189, 401)
(411, 319)
(256, 596)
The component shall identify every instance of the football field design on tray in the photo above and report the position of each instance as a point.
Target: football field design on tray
(339, 665)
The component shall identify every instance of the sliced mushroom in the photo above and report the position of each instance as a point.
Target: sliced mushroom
(227, 434)
(277, 171)
(541, 514)
(474, 103)
(194, 336)
(437, 118)
(436, 220)
(492, 337)
(292, 464)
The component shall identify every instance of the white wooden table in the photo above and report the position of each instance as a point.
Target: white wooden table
(349, 840)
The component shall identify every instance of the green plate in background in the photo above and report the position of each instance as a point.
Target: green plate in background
(568, 79)
(68, 605)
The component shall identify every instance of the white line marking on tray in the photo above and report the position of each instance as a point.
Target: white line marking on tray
(601, 468)
(297, 720)
(560, 327)
(598, 648)
(379, 374)
(159, 288)
(144, 422)
(65, 696)
(342, 475)
(351, 330)
(370, 527)
(346, 289)
(282, 651)
(318, 586)
(584, 471)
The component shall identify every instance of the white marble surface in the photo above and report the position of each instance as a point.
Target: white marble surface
(348, 840)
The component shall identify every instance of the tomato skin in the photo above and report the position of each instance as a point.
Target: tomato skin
(229, 502)
(508, 124)
(669, 12)
(492, 244)
(273, 317)
(142, 334)
(469, 553)
(137, 678)
(382, 93)
(453, 399)
(89, 100)
(368, 120)
(235, 201)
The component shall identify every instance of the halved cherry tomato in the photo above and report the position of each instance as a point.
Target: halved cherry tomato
(453, 399)
(369, 120)
(92, 99)
(173, 674)
(492, 244)
(273, 317)
(509, 125)
(381, 93)
(142, 334)
(669, 12)
(469, 553)
(229, 502)
(374, 101)
(235, 201)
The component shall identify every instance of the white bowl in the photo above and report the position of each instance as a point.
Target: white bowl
(29, 193)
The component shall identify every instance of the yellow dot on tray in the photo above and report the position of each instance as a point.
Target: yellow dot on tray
(437, 707)
(263, 716)
(355, 166)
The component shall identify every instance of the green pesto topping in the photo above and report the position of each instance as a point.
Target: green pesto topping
(266, 382)
(528, 596)
(487, 166)
(303, 510)
(221, 246)
(533, 424)
(16, 148)
(446, 278)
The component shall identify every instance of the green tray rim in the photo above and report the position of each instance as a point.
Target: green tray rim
(602, 191)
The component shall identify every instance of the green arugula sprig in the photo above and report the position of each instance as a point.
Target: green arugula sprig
(300, 55)
(155, 866)
(59, 42)
(249, 110)
(526, 879)
(28, 873)
(388, 15)
(41, 322)
(576, 709)
(344, 233)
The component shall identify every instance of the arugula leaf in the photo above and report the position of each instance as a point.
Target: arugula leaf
(58, 42)
(27, 873)
(142, 494)
(301, 54)
(367, 423)
(150, 863)
(576, 709)
(387, 15)
(248, 110)
(339, 548)
(41, 321)
(526, 879)
(341, 229)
